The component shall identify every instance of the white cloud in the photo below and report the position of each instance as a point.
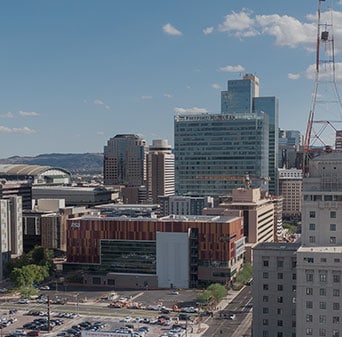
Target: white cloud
(240, 24)
(171, 30)
(193, 110)
(293, 76)
(7, 115)
(325, 72)
(208, 30)
(287, 30)
(100, 102)
(232, 69)
(168, 95)
(100, 133)
(146, 97)
(24, 130)
(216, 86)
(28, 113)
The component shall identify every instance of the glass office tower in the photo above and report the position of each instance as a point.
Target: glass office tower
(212, 149)
(242, 96)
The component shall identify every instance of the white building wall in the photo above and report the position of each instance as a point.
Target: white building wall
(173, 260)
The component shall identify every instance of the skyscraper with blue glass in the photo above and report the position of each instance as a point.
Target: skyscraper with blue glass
(242, 96)
(211, 150)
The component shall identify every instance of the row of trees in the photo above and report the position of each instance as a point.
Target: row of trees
(30, 269)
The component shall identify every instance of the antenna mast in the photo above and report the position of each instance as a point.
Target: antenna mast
(324, 128)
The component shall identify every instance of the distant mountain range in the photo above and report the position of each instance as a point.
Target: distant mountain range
(82, 163)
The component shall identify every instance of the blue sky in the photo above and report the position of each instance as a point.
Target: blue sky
(75, 73)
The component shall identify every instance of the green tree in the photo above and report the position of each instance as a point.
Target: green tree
(245, 274)
(218, 291)
(27, 275)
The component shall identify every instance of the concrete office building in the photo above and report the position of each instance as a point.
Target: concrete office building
(242, 97)
(319, 259)
(174, 251)
(160, 170)
(213, 152)
(184, 205)
(10, 230)
(125, 163)
(258, 216)
(290, 187)
(74, 195)
(274, 290)
(46, 224)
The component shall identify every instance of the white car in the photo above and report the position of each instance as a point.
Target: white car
(23, 301)
(44, 288)
(232, 316)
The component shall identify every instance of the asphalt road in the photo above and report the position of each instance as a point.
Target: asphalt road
(222, 325)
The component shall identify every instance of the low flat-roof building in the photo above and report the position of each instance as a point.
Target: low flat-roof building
(174, 251)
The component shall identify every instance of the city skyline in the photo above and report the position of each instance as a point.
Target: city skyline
(74, 74)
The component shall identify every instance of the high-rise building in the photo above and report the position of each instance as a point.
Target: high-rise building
(290, 145)
(319, 259)
(243, 97)
(160, 170)
(290, 187)
(274, 289)
(125, 165)
(215, 151)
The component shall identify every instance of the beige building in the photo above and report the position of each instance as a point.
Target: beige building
(257, 212)
(160, 170)
(290, 187)
(319, 259)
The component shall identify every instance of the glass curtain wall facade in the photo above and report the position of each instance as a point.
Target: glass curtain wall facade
(243, 97)
(212, 149)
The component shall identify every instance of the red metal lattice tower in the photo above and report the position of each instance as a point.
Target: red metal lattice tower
(324, 128)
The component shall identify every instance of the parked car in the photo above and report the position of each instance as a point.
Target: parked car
(23, 301)
(232, 316)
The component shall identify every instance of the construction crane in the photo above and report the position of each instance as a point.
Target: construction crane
(245, 179)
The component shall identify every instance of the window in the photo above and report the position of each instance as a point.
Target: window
(312, 226)
(294, 276)
(336, 278)
(323, 259)
(322, 305)
(309, 305)
(279, 311)
(323, 292)
(309, 277)
(336, 333)
(337, 260)
(280, 299)
(333, 239)
(336, 319)
(309, 331)
(265, 298)
(265, 286)
(323, 277)
(322, 319)
(312, 239)
(336, 292)
(309, 318)
(333, 227)
(336, 306)
(309, 291)
(280, 287)
(322, 332)
(265, 322)
(265, 274)
(333, 214)
(280, 263)
(265, 333)
(312, 214)
(280, 276)
(266, 263)
(265, 310)
(279, 334)
(280, 322)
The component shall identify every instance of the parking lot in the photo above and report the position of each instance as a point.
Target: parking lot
(151, 314)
